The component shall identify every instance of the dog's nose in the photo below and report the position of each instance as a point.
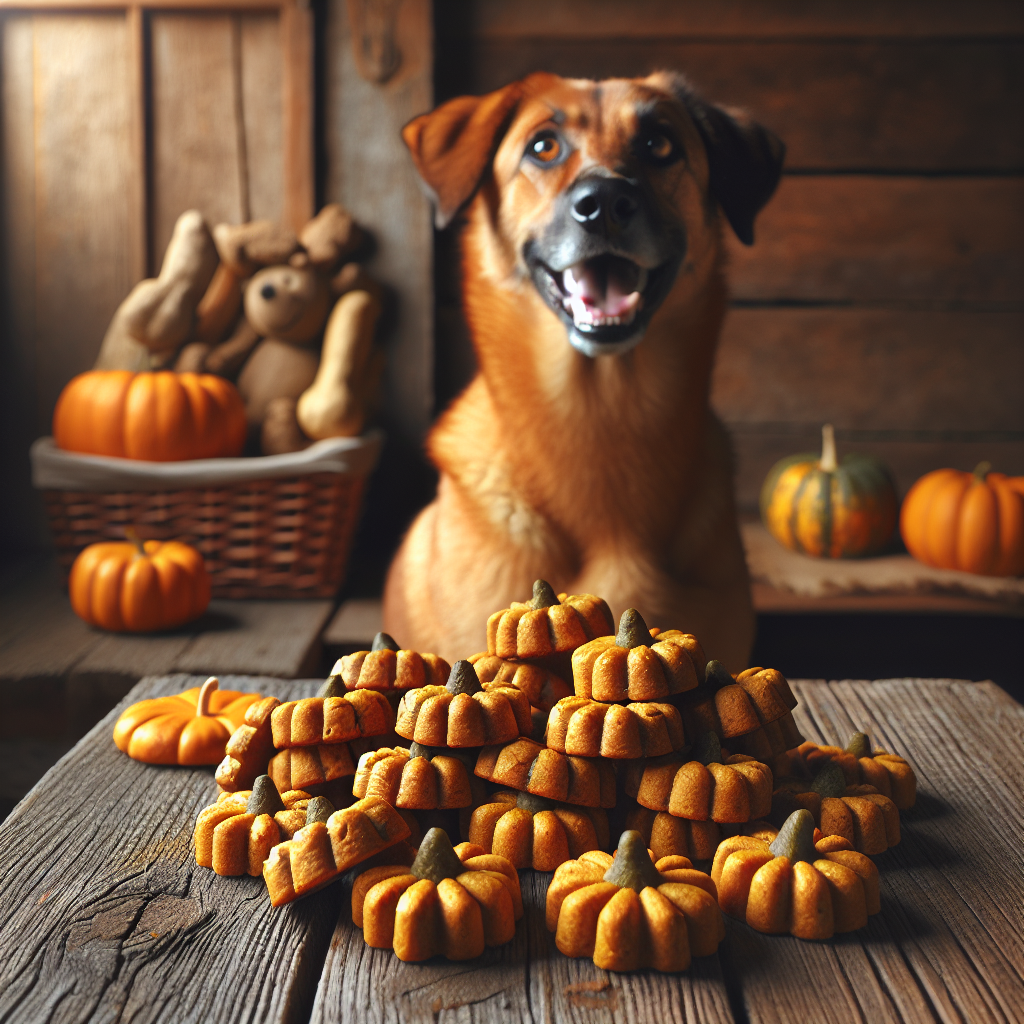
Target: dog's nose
(603, 203)
(267, 291)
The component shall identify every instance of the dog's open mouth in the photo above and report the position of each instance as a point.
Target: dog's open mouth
(606, 299)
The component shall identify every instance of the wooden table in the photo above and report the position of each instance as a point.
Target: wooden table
(104, 915)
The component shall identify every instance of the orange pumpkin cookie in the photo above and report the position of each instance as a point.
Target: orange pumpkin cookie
(450, 902)
(888, 773)
(588, 728)
(669, 836)
(723, 789)
(302, 767)
(235, 835)
(793, 885)
(462, 713)
(527, 766)
(533, 832)
(866, 818)
(765, 743)
(548, 624)
(191, 728)
(629, 913)
(734, 707)
(388, 668)
(542, 687)
(321, 852)
(418, 778)
(635, 665)
(336, 715)
(249, 748)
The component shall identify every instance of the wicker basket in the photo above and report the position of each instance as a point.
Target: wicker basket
(277, 526)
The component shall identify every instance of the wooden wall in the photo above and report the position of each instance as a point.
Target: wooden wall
(885, 291)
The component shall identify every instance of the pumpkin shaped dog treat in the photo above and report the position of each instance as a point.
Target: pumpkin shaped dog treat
(190, 728)
(533, 832)
(417, 779)
(548, 624)
(888, 773)
(810, 891)
(334, 716)
(249, 748)
(527, 766)
(542, 687)
(322, 851)
(388, 668)
(764, 744)
(628, 913)
(578, 725)
(462, 713)
(723, 789)
(669, 836)
(236, 834)
(451, 902)
(734, 707)
(634, 665)
(860, 814)
(312, 768)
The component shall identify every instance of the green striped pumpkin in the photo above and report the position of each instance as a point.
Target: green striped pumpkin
(827, 508)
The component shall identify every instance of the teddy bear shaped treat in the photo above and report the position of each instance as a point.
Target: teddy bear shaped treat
(628, 913)
(634, 665)
(793, 885)
(452, 902)
(534, 832)
(235, 835)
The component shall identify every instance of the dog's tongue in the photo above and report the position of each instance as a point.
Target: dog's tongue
(603, 289)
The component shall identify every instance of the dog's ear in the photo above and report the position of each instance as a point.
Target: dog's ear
(453, 146)
(744, 157)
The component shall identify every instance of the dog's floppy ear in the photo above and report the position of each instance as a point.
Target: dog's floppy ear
(453, 145)
(744, 157)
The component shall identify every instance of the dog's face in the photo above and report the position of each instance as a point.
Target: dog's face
(600, 192)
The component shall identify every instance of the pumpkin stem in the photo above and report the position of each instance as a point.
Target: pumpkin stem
(982, 470)
(132, 534)
(203, 704)
(544, 595)
(828, 461)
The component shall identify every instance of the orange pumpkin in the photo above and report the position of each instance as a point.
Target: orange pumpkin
(160, 417)
(968, 521)
(128, 586)
(189, 728)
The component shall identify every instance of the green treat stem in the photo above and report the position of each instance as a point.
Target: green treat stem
(796, 838)
(384, 642)
(859, 745)
(829, 782)
(333, 687)
(544, 595)
(264, 798)
(319, 809)
(436, 859)
(463, 679)
(532, 803)
(716, 675)
(633, 631)
(708, 749)
(633, 867)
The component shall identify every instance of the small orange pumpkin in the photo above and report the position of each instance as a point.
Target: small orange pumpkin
(136, 587)
(160, 417)
(189, 728)
(968, 521)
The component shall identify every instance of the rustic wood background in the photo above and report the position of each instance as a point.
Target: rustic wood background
(885, 291)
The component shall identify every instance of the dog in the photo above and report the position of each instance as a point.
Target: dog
(585, 452)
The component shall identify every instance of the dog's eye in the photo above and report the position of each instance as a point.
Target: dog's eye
(545, 149)
(660, 148)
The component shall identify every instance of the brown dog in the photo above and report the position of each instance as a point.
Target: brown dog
(584, 451)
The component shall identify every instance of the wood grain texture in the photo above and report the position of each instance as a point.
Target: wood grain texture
(837, 104)
(196, 158)
(104, 914)
(873, 369)
(652, 19)
(262, 114)
(878, 239)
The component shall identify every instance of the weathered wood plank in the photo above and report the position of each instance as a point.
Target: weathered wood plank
(104, 914)
(260, 93)
(196, 159)
(656, 19)
(909, 455)
(871, 239)
(837, 104)
(876, 369)
(356, 622)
